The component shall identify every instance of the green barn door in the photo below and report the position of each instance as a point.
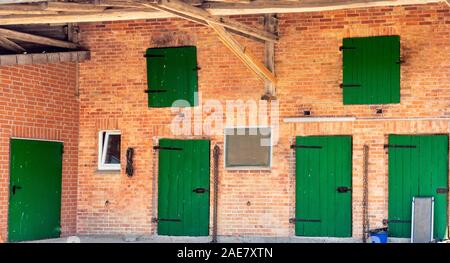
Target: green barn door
(417, 167)
(35, 190)
(183, 187)
(323, 186)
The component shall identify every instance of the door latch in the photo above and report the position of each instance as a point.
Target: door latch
(200, 190)
(14, 188)
(343, 189)
(442, 190)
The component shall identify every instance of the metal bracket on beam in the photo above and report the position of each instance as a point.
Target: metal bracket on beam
(394, 221)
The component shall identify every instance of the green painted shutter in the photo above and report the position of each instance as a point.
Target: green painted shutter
(183, 167)
(323, 163)
(417, 171)
(35, 190)
(371, 70)
(172, 76)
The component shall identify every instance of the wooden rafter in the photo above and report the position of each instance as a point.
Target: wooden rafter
(198, 13)
(11, 34)
(270, 25)
(243, 54)
(10, 45)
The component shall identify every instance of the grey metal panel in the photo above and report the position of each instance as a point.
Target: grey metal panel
(422, 219)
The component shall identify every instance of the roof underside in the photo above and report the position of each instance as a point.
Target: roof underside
(55, 31)
(47, 26)
(72, 11)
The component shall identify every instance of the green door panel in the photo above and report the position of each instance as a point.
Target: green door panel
(35, 190)
(183, 167)
(371, 72)
(172, 76)
(319, 172)
(413, 172)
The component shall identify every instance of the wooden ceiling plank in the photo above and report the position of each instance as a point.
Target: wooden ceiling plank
(11, 34)
(10, 45)
(21, 1)
(181, 15)
(73, 7)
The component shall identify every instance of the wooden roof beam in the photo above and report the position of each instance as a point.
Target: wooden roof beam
(21, 1)
(10, 45)
(243, 54)
(198, 13)
(11, 34)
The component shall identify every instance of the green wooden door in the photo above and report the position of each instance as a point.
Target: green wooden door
(417, 167)
(324, 166)
(35, 190)
(183, 187)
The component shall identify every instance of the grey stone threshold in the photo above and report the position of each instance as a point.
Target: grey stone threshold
(221, 239)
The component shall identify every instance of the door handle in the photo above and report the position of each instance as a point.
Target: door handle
(14, 188)
(199, 190)
(343, 189)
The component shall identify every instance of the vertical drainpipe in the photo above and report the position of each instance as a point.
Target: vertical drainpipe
(216, 154)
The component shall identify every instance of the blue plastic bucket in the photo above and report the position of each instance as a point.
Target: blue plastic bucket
(378, 237)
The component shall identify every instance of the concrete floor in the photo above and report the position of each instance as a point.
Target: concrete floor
(221, 239)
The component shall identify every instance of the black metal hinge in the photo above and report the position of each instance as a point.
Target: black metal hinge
(399, 146)
(153, 56)
(155, 91)
(156, 220)
(346, 48)
(349, 86)
(196, 68)
(400, 61)
(305, 146)
(62, 149)
(167, 148)
(294, 220)
(442, 190)
(387, 221)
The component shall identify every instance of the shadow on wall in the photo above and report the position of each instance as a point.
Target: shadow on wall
(173, 39)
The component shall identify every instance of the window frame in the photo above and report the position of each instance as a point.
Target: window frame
(102, 148)
(247, 167)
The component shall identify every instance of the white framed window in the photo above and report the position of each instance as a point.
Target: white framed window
(248, 148)
(109, 150)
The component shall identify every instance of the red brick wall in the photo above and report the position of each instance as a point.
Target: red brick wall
(309, 69)
(40, 101)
